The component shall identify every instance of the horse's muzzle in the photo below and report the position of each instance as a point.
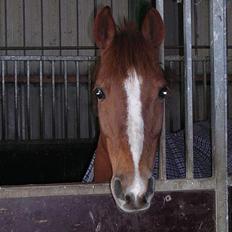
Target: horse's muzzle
(129, 202)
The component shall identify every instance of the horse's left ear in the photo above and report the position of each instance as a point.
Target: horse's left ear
(153, 27)
(104, 28)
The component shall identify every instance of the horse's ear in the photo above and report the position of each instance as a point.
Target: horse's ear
(153, 27)
(104, 28)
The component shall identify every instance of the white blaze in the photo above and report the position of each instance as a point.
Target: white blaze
(135, 127)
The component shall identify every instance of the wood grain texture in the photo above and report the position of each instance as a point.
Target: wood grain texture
(169, 212)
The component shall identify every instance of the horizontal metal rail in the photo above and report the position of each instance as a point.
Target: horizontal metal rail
(185, 184)
(92, 58)
(194, 58)
(83, 189)
(53, 190)
(48, 58)
(50, 48)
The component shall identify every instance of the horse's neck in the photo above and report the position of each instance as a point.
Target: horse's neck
(102, 165)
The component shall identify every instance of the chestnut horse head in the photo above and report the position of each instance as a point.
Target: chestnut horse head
(130, 87)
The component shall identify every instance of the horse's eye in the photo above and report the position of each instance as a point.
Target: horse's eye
(163, 92)
(99, 93)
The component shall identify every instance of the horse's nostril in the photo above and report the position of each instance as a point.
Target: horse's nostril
(134, 202)
(144, 199)
(150, 189)
(131, 201)
(129, 198)
(118, 189)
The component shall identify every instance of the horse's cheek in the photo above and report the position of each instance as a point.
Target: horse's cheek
(104, 116)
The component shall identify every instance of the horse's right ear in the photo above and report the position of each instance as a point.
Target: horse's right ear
(104, 28)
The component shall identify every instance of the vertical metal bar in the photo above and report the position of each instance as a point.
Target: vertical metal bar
(60, 36)
(28, 118)
(162, 150)
(3, 102)
(65, 101)
(77, 100)
(24, 36)
(182, 93)
(171, 118)
(16, 98)
(24, 30)
(53, 101)
(95, 13)
(77, 12)
(205, 106)
(219, 109)
(188, 88)
(160, 8)
(6, 35)
(194, 93)
(60, 41)
(89, 101)
(41, 98)
(41, 26)
(5, 32)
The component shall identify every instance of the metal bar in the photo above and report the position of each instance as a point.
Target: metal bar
(65, 101)
(160, 8)
(88, 189)
(182, 93)
(194, 93)
(60, 41)
(48, 58)
(41, 27)
(41, 99)
(59, 34)
(91, 58)
(53, 101)
(24, 28)
(196, 23)
(85, 58)
(162, 147)
(87, 47)
(5, 32)
(162, 150)
(219, 109)
(77, 28)
(77, 99)
(53, 190)
(185, 184)
(28, 118)
(16, 98)
(24, 33)
(89, 101)
(205, 91)
(169, 64)
(188, 88)
(3, 102)
(49, 48)
(94, 15)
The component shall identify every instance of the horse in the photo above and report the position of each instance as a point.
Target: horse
(130, 87)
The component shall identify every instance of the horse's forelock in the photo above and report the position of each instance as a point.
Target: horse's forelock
(129, 50)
